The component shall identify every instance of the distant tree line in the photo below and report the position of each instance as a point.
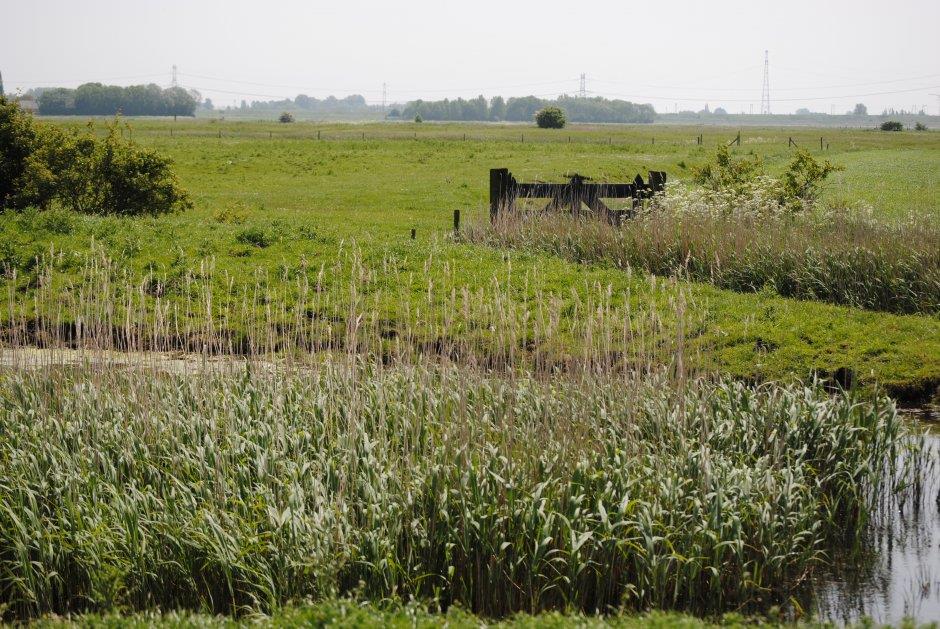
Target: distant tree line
(523, 109)
(96, 99)
(328, 105)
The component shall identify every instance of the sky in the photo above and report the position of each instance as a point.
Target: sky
(825, 55)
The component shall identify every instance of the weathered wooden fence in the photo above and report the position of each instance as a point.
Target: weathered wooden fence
(505, 190)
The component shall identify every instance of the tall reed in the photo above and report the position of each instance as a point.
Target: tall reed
(842, 259)
(230, 490)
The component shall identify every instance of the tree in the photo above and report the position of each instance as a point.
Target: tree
(418, 118)
(720, 111)
(860, 109)
(497, 109)
(42, 165)
(892, 125)
(550, 118)
(286, 117)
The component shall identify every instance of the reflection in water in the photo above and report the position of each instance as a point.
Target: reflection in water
(898, 574)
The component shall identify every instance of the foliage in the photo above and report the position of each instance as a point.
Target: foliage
(17, 141)
(802, 180)
(83, 173)
(522, 109)
(254, 236)
(892, 125)
(550, 118)
(920, 126)
(418, 118)
(248, 487)
(725, 174)
(860, 109)
(735, 183)
(95, 99)
(286, 117)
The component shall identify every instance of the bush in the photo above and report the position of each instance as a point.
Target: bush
(255, 237)
(892, 125)
(733, 184)
(286, 117)
(550, 118)
(920, 126)
(17, 142)
(418, 118)
(43, 165)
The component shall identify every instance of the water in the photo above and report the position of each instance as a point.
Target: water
(900, 577)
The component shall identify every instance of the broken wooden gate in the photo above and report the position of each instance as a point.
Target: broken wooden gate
(505, 190)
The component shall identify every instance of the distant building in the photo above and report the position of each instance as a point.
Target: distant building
(28, 104)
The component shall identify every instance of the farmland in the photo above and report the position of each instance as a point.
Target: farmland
(272, 198)
(330, 408)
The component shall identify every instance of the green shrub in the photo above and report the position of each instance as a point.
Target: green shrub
(286, 117)
(550, 118)
(920, 126)
(254, 236)
(726, 173)
(737, 182)
(418, 118)
(892, 125)
(43, 165)
(17, 142)
(802, 181)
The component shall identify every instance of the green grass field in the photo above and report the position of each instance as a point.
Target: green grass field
(366, 186)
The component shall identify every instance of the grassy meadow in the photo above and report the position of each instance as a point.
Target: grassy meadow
(273, 200)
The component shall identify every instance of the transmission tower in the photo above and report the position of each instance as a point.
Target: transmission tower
(175, 82)
(583, 91)
(765, 91)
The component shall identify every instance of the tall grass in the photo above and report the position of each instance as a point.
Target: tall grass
(842, 259)
(347, 306)
(230, 491)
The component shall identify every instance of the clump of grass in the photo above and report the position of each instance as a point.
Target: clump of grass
(255, 237)
(242, 489)
(840, 258)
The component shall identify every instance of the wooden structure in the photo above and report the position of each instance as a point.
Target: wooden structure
(505, 190)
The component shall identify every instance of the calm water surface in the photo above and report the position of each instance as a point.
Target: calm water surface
(901, 577)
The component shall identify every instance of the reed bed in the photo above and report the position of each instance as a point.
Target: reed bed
(241, 490)
(349, 306)
(842, 258)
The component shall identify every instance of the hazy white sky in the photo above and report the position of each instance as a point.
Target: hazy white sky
(680, 53)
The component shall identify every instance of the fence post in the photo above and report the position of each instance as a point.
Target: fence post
(413, 233)
(498, 178)
(318, 134)
(820, 143)
(456, 222)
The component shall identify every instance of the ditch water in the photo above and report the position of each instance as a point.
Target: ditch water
(899, 576)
